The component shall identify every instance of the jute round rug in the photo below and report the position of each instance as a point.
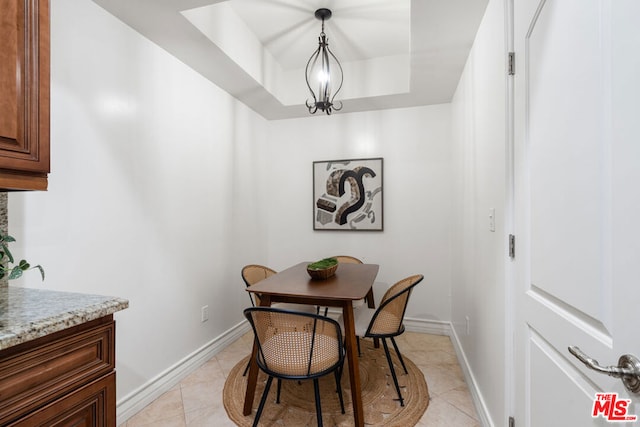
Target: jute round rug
(297, 404)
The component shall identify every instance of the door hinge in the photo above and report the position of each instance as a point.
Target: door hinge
(512, 422)
(511, 64)
(512, 246)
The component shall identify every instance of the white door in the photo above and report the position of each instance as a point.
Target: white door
(577, 206)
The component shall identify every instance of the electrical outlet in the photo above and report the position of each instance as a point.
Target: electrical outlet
(204, 313)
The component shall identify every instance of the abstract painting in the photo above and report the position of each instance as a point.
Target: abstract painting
(347, 195)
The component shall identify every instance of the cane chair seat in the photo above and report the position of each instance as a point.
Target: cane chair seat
(296, 345)
(285, 355)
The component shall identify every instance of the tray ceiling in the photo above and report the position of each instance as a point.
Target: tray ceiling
(395, 53)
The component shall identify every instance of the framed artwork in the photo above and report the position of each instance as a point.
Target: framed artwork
(347, 195)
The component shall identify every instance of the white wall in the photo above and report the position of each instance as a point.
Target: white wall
(415, 146)
(478, 270)
(150, 192)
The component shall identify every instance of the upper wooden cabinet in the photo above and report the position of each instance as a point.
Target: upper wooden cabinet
(24, 94)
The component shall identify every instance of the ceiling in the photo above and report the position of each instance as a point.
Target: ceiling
(395, 53)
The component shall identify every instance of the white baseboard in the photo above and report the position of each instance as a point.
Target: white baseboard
(135, 401)
(433, 327)
(472, 384)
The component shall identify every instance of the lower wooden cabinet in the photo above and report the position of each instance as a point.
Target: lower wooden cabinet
(63, 379)
(90, 406)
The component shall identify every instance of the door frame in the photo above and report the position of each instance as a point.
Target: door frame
(510, 272)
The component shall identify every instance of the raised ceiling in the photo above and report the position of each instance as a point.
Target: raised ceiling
(395, 53)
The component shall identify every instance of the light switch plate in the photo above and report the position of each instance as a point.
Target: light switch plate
(492, 219)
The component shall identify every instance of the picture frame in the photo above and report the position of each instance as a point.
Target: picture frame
(347, 194)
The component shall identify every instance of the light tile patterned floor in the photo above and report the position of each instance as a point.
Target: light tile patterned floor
(190, 403)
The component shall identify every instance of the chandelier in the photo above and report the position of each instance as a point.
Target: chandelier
(323, 73)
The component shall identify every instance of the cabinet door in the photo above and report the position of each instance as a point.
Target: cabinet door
(24, 94)
(91, 406)
(46, 369)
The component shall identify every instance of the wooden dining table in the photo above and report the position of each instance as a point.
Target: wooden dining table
(351, 282)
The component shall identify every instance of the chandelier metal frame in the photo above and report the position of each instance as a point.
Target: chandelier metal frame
(321, 62)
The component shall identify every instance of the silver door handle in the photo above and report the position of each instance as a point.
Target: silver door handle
(628, 368)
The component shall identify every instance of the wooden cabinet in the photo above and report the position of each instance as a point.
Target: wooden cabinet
(24, 94)
(63, 379)
(82, 408)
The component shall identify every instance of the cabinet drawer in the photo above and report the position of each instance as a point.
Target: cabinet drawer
(39, 373)
(91, 406)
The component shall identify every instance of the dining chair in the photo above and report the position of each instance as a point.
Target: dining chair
(387, 321)
(348, 259)
(253, 273)
(296, 346)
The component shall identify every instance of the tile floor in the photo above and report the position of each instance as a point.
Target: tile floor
(190, 403)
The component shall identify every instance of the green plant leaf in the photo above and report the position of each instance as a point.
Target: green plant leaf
(15, 272)
(7, 252)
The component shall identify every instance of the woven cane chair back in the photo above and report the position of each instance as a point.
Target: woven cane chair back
(387, 320)
(295, 345)
(346, 259)
(252, 274)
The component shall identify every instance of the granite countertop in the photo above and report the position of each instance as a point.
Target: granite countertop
(27, 314)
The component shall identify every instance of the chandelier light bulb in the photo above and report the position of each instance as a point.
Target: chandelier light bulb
(323, 76)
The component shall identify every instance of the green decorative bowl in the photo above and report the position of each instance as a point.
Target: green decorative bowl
(323, 269)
